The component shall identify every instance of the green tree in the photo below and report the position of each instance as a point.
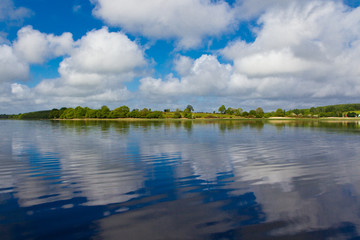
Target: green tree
(313, 110)
(190, 108)
(144, 112)
(187, 113)
(351, 114)
(103, 112)
(155, 114)
(120, 112)
(79, 112)
(69, 113)
(279, 112)
(296, 111)
(62, 110)
(259, 112)
(177, 114)
(238, 111)
(55, 113)
(230, 111)
(252, 113)
(91, 113)
(222, 109)
(135, 113)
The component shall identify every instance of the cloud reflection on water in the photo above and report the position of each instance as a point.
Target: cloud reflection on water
(182, 176)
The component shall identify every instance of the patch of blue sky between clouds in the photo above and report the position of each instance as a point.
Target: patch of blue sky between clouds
(58, 17)
(352, 3)
(48, 70)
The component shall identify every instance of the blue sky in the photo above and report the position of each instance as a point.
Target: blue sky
(168, 54)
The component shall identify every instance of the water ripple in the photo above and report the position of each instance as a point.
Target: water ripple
(185, 180)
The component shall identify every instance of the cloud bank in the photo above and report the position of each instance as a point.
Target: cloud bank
(93, 70)
(301, 51)
(96, 69)
(304, 53)
(32, 46)
(187, 21)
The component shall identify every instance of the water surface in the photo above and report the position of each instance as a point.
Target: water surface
(179, 180)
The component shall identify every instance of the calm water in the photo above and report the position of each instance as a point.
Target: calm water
(179, 180)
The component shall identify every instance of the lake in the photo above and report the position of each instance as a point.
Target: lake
(226, 179)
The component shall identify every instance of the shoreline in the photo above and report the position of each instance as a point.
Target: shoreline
(209, 119)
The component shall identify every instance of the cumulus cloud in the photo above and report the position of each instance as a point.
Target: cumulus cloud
(96, 70)
(8, 12)
(205, 76)
(302, 50)
(306, 50)
(30, 47)
(20, 91)
(187, 21)
(11, 67)
(35, 47)
(314, 45)
(93, 71)
(183, 65)
(104, 52)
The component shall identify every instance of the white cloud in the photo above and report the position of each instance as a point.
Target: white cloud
(104, 52)
(183, 65)
(11, 67)
(271, 63)
(307, 50)
(36, 47)
(304, 51)
(206, 76)
(248, 9)
(95, 71)
(30, 47)
(188, 21)
(8, 12)
(310, 49)
(20, 91)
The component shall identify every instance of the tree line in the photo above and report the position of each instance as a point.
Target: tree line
(79, 112)
(120, 112)
(340, 110)
(103, 112)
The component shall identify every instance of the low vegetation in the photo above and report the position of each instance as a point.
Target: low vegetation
(342, 110)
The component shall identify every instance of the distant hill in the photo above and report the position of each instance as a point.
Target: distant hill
(36, 115)
(30, 115)
(329, 111)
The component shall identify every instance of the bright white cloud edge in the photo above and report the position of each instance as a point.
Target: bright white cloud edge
(186, 21)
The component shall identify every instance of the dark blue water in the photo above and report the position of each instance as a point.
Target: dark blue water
(179, 180)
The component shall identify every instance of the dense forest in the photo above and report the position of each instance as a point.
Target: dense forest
(341, 110)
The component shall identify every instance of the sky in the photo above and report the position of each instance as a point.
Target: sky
(164, 54)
